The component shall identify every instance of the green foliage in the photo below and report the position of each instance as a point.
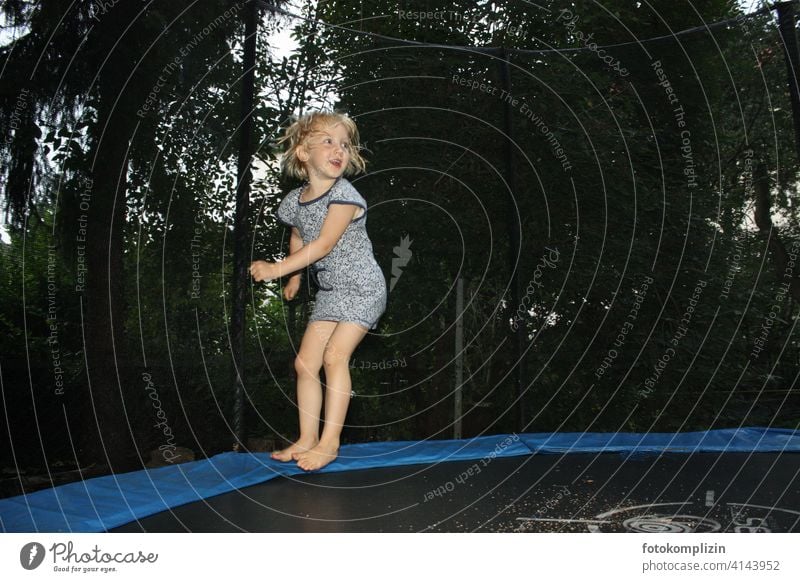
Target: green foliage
(632, 204)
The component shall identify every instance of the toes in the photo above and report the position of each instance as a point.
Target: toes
(305, 463)
(282, 456)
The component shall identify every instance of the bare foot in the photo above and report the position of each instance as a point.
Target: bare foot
(317, 457)
(287, 454)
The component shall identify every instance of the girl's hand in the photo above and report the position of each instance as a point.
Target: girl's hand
(291, 288)
(263, 271)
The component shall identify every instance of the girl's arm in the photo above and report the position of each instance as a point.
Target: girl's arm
(336, 222)
(295, 244)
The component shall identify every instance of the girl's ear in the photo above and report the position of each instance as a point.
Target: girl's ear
(302, 153)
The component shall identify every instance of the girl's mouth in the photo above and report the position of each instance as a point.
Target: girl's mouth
(336, 163)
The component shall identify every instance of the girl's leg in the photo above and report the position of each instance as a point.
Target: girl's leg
(307, 364)
(336, 360)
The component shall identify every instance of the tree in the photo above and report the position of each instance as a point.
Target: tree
(103, 78)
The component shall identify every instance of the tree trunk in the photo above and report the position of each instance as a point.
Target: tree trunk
(103, 301)
(763, 218)
(111, 433)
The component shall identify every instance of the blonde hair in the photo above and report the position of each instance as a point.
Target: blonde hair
(301, 129)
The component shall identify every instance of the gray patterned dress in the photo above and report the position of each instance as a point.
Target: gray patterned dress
(351, 285)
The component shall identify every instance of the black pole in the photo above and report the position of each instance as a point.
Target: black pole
(241, 232)
(787, 24)
(514, 228)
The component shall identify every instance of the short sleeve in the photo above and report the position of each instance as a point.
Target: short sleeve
(285, 212)
(349, 195)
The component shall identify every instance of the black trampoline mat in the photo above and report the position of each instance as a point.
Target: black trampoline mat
(577, 492)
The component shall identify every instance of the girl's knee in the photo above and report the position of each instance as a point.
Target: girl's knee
(306, 366)
(333, 357)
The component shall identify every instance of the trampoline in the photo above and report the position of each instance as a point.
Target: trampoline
(718, 481)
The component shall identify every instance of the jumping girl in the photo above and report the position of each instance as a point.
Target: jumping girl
(327, 216)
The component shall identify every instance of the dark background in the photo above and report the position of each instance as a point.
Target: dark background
(140, 185)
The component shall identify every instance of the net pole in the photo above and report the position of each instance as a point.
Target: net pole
(241, 231)
(787, 23)
(515, 228)
(458, 399)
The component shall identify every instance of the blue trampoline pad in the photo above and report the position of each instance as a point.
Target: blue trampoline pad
(104, 503)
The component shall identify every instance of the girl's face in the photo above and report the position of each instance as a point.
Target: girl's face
(326, 152)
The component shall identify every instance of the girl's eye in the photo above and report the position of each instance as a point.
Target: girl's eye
(345, 146)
